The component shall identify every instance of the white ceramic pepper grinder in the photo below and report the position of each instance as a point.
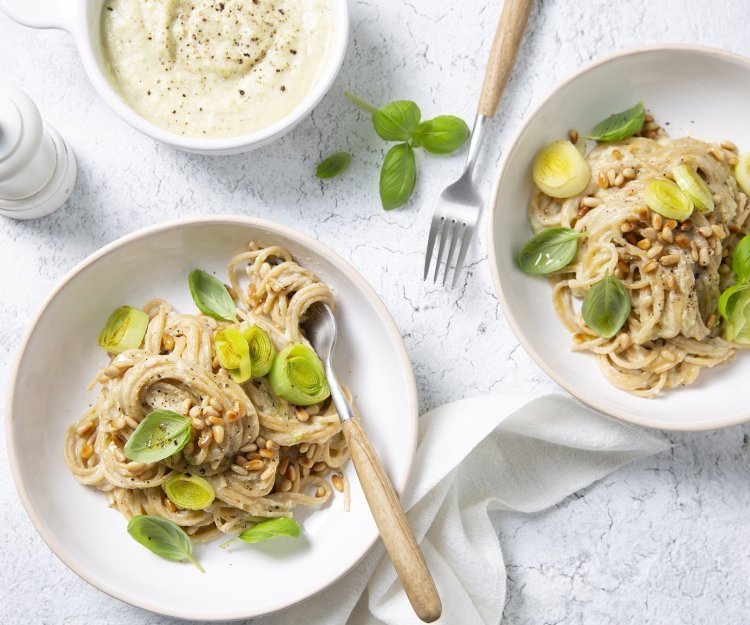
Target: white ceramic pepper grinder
(37, 168)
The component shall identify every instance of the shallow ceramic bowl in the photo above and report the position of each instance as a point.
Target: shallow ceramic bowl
(691, 91)
(47, 391)
(82, 19)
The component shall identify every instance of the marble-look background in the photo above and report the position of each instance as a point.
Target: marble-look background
(663, 541)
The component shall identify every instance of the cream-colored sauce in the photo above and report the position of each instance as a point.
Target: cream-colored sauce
(204, 68)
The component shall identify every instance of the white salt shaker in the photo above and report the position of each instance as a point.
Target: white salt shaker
(37, 168)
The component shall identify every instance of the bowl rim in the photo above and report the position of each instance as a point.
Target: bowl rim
(78, 26)
(493, 253)
(411, 432)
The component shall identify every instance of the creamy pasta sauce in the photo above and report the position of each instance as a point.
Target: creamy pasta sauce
(215, 69)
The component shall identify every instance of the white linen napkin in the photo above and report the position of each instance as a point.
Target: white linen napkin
(495, 452)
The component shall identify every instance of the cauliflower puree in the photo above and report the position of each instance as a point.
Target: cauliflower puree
(215, 69)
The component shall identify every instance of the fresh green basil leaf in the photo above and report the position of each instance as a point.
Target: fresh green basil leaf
(606, 306)
(620, 125)
(730, 298)
(211, 296)
(549, 250)
(737, 309)
(163, 537)
(397, 120)
(161, 434)
(397, 176)
(741, 260)
(442, 135)
(336, 164)
(273, 528)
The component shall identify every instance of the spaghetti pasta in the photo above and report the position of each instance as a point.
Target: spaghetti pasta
(242, 435)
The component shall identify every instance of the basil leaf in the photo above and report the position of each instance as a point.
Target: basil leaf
(163, 537)
(211, 296)
(397, 120)
(606, 306)
(620, 125)
(741, 260)
(737, 329)
(161, 434)
(397, 176)
(336, 164)
(730, 298)
(442, 135)
(548, 251)
(273, 528)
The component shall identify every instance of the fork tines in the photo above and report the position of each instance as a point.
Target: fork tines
(445, 229)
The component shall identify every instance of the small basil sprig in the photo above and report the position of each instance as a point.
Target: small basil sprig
(336, 164)
(211, 296)
(442, 135)
(620, 125)
(163, 537)
(266, 530)
(606, 306)
(549, 250)
(397, 176)
(161, 434)
(400, 120)
(741, 260)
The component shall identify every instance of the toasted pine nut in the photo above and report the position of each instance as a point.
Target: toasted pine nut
(198, 424)
(717, 154)
(649, 233)
(268, 473)
(209, 411)
(195, 412)
(591, 202)
(167, 342)
(602, 180)
(573, 136)
(232, 415)
(619, 180)
(686, 226)
(629, 173)
(291, 473)
(728, 145)
(666, 235)
(305, 462)
(260, 442)
(272, 445)
(215, 420)
(669, 259)
(169, 505)
(682, 240)
(338, 482)
(705, 231)
(302, 414)
(649, 267)
(626, 226)
(319, 466)
(655, 250)
(266, 453)
(285, 486)
(283, 464)
(672, 282)
(732, 161)
(643, 213)
(694, 251)
(718, 231)
(644, 244)
(704, 257)
(320, 492)
(205, 439)
(87, 450)
(253, 465)
(671, 224)
(112, 372)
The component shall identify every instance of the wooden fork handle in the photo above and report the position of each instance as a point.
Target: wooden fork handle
(503, 54)
(394, 529)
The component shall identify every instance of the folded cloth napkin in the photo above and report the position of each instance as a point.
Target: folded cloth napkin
(495, 452)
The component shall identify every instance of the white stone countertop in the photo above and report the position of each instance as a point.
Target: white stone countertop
(660, 541)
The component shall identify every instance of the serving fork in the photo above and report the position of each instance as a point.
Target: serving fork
(394, 529)
(458, 208)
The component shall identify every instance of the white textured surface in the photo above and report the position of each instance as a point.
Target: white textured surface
(661, 541)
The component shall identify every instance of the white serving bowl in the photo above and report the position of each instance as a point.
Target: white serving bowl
(82, 19)
(697, 91)
(47, 392)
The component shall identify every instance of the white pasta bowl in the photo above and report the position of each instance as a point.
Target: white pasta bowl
(691, 91)
(47, 391)
(82, 19)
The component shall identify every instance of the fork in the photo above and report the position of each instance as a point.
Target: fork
(394, 529)
(458, 208)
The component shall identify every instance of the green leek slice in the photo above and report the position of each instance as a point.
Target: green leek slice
(233, 353)
(261, 348)
(189, 492)
(560, 170)
(124, 330)
(298, 376)
(742, 172)
(667, 199)
(694, 188)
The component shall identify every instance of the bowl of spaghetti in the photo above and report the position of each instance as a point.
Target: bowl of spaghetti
(187, 411)
(617, 235)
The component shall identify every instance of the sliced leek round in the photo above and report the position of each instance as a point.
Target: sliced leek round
(189, 492)
(124, 330)
(298, 376)
(667, 199)
(694, 188)
(742, 172)
(261, 350)
(560, 170)
(233, 353)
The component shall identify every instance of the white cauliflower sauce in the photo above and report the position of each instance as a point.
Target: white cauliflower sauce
(203, 68)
